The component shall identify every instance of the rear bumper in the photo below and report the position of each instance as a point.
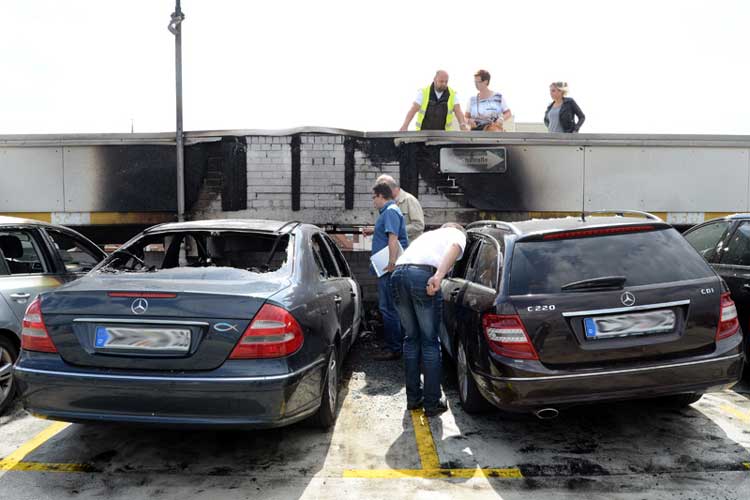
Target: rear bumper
(559, 390)
(61, 392)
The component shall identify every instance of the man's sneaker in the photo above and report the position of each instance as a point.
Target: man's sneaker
(387, 356)
(440, 408)
(414, 406)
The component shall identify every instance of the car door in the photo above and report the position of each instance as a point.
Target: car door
(479, 297)
(27, 268)
(329, 287)
(734, 267)
(350, 295)
(74, 255)
(452, 288)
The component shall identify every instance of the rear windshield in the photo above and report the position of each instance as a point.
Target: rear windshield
(643, 258)
(216, 254)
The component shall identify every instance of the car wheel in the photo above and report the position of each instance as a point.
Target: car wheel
(679, 400)
(471, 399)
(8, 355)
(326, 415)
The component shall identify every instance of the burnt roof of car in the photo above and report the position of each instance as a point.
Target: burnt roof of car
(537, 226)
(266, 226)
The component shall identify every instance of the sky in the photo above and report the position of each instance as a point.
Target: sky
(95, 66)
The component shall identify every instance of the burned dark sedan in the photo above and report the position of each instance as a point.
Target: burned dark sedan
(225, 323)
(545, 314)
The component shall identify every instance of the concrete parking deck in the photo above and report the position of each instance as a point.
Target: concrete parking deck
(380, 450)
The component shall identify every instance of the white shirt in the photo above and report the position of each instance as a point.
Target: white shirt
(429, 249)
(488, 109)
(418, 100)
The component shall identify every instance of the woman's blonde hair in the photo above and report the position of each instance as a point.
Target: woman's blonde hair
(561, 86)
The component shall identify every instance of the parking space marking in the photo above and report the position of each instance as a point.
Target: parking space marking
(432, 473)
(51, 467)
(430, 461)
(425, 443)
(741, 415)
(12, 460)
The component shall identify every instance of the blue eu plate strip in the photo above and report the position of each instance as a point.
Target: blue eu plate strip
(101, 336)
(590, 326)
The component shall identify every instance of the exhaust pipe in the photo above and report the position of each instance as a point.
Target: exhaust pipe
(546, 413)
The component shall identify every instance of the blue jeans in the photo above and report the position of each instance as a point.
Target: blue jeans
(392, 332)
(421, 315)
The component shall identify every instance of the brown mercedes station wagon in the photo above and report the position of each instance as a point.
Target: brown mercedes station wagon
(546, 314)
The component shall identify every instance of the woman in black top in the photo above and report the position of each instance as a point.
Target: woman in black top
(562, 112)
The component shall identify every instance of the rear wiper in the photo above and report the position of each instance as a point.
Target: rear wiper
(600, 283)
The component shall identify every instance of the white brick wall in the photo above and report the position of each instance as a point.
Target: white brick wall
(322, 158)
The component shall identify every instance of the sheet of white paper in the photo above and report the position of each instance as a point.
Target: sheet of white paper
(379, 260)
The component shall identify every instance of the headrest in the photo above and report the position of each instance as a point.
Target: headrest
(11, 246)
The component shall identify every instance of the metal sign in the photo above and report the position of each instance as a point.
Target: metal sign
(473, 160)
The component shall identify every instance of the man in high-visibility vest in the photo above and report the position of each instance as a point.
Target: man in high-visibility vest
(435, 106)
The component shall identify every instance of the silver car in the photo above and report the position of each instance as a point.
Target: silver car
(34, 257)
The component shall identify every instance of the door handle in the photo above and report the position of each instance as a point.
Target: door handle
(20, 296)
(337, 299)
(454, 292)
(745, 286)
(353, 294)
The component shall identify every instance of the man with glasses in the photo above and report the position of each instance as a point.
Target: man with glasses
(390, 233)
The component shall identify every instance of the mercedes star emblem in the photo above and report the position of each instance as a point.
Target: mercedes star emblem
(139, 306)
(627, 299)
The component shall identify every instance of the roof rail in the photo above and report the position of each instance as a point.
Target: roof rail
(494, 223)
(292, 223)
(622, 213)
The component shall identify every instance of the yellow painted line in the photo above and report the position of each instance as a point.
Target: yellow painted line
(42, 216)
(747, 465)
(99, 218)
(51, 467)
(511, 473)
(425, 444)
(741, 415)
(12, 460)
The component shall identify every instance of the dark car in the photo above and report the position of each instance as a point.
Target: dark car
(725, 244)
(34, 257)
(223, 323)
(545, 314)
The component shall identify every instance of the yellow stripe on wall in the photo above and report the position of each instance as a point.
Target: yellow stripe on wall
(40, 216)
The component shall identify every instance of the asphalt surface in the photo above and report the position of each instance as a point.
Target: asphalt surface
(378, 449)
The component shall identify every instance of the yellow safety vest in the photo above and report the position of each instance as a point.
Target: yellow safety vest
(426, 101)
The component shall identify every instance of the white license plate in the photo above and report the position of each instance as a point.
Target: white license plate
(626, 325)
(175, 340)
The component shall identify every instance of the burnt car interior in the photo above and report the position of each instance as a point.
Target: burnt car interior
(18, 253)
(254, 252)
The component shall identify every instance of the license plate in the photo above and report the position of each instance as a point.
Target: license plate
(626, 325)
(143, 339)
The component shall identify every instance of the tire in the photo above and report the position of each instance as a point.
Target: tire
(679, 400)
(471, 399)
(8, 355)
(326, 414)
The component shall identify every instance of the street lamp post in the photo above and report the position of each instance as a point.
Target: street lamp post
(175, 27)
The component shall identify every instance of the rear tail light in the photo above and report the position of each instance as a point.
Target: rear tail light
(507, 337)
(605, 231)
(143, 295)
(34, 336)
(728, 324)
(273, 333)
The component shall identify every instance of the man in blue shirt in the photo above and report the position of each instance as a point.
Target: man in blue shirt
(390, 232)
